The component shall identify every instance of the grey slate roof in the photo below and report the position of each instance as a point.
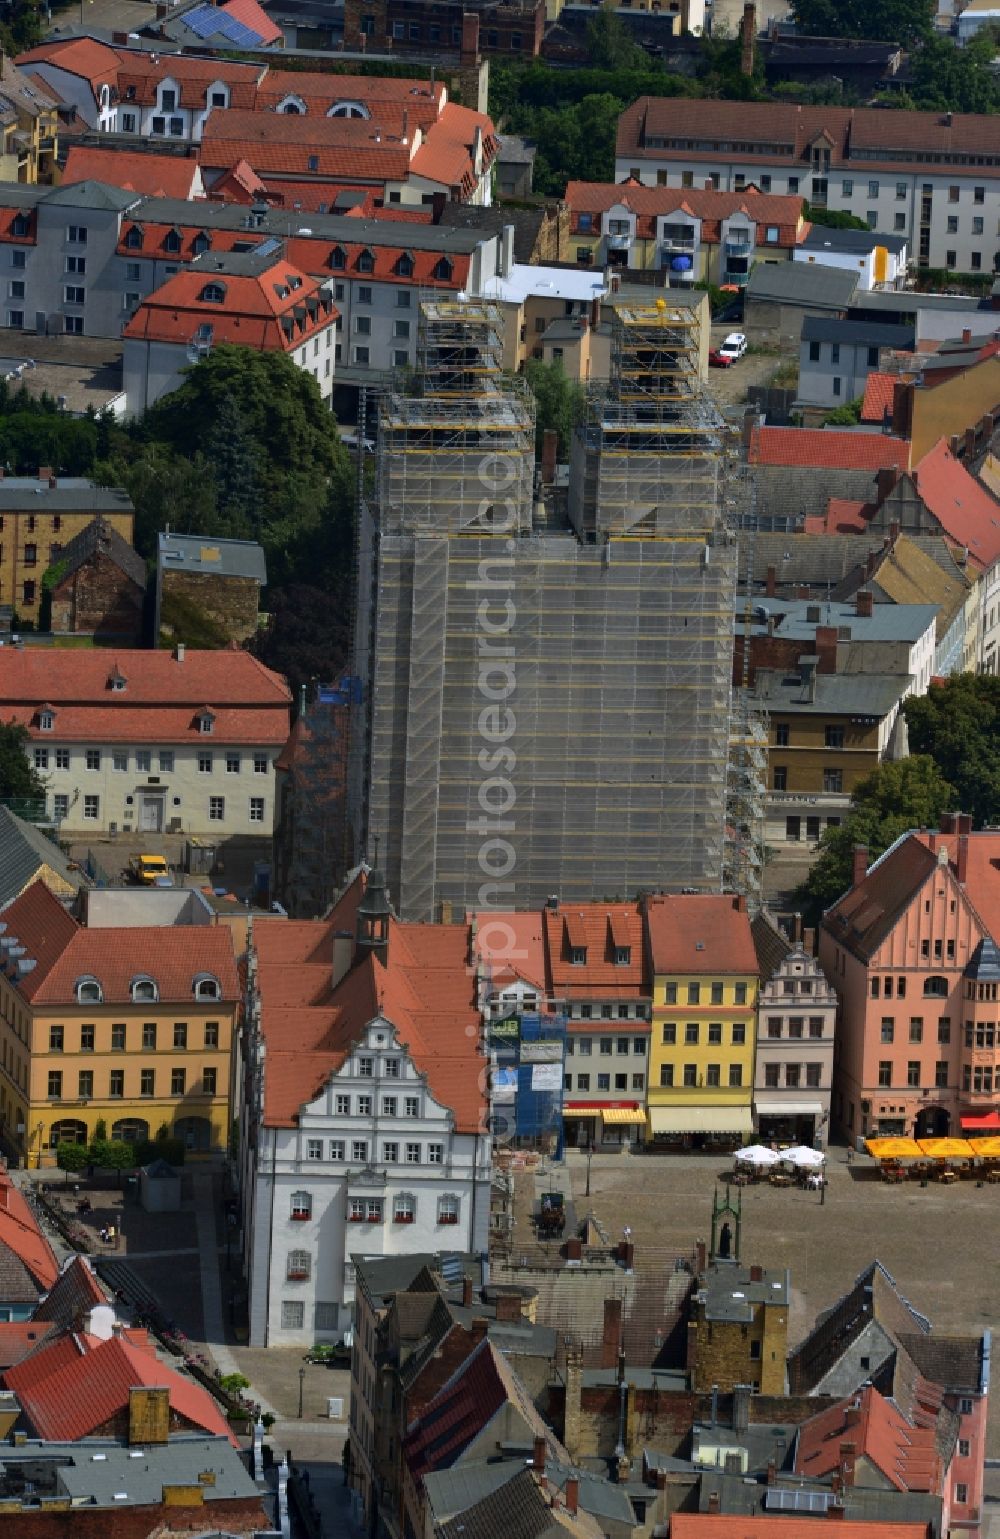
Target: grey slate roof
(222, 558)
(811, 284)
(333, 227)
(824, 560)
(824, 237)
(770, 944)
(99, 535)
(956, 1362)
(598, 1496)
(39, 497)
(97, 1470)
(516, 150)
(887, 622)
(731, 1292)
(382, 1275)
(518, 1510)
(527, 222)
(748, 1498)
(454, 1490)
(794, 491)
(99, 195)
(837, 694)
(824, 328)
(17, 1286)
(24, 849)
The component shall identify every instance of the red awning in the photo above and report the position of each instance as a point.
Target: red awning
(599, 1106)
(985, 1123)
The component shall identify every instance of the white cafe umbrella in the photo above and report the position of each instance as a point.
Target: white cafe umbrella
(804, 1157)
(756, 1154)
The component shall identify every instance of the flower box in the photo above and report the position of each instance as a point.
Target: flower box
(448, 1218)
(301, 1218)
(403, 1218)
(297, 1276)
(355, 1218)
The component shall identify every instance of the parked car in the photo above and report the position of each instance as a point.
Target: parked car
(150, 871)
(718, 359)
(734, 346)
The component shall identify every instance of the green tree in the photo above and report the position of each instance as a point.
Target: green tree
(897, 21)
(609, 42)
(72, 1158)
(18, 780)
(559, 402)
(946, 78)
(958, 724)
(833, 218)
(847, 415)
(232, 456)
(909, 793)
(167, 490)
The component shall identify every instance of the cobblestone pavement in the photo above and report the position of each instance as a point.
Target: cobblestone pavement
(930, 1239)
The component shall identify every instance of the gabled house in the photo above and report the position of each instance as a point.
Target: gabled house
(28, 1266)
(97, 585)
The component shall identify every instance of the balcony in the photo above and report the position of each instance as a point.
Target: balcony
(737, 246)
(671, 243)
(619, 242)
(738, 279)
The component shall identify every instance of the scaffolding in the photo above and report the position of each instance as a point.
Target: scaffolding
(620, 630)
(456, 453)
(748, 731)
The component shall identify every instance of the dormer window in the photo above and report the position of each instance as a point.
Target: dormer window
(117, 682)
(366, 261)
(200, 243)
(89, 992)
(578, 956)
(404, 267)
(443, 270)
(172, 241)
(20, 225)
(207, 987)
(133, 240)
(46, 721)
(623, 956)
(206, 724)
(338, 259)
(213, 294)
(144, 991)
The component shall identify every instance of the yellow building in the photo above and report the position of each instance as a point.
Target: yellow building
(39, 515)
(701, 1050)
(29, 126)
(132, 1027)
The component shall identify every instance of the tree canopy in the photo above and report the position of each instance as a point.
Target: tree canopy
(895, 21)
(910, 793)
(558, 402)
(18, 780)
(958, 724)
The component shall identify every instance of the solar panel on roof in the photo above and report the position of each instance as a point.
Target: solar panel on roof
(208, 21)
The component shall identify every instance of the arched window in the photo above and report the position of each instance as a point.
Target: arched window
(130, 1130)
(144, 989)
(133, 239)
(299, 1266)
(935, 987)
(293, 106)
(404, 267)
(348, 110)
(366, 260)
(302, 1206)
(88, 991)
(68, 1131)
(211, 294)
(201, 242)
(443, 270)
(172, 241)
(207, 987)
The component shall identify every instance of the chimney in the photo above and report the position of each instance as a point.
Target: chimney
(962, 861)
(470, 39)
(771, 1472)
(507, 251)
(701, 1256)
(611, 1339)
(796, 928)
(574, 1248)
(53, 481)
(741, 1407)
(479, 1327)
(748, 37)
(966, 330)
(772, 582)
(902, 408)
(809, 942)
(508, 1308)
(864, 603)
(860, 866)
(179, 652)
(756, 1274)
(550, 449)
(466, 1292)
(148, 1415)
(572, 1494)
(343, 953)
(628, 1256)
(538, 1457)
(713, 1502)
(44, 472)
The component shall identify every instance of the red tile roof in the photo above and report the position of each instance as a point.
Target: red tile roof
(426, 990)
(982, 876)
(64, 952)
(968, 515)
(158, 176)
(19, 1337)
(445, 157)
(161, 703)
(276, 310)
(867, 913)
(240, 184)
(829, 448)
(879, 390)
(699, 933)
(386, 97)
(141, 74)
(705, 204)
(78, 1384)
(511, 945)
(94, 62)
(857, 137)
(706, 1525)
(904, 1454)
(287, 144)
(20, 1233)
(842, 516)
(596, 928)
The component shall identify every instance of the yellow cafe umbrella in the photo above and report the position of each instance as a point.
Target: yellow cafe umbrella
(986, 1148)
(946, 1148)
(893, 1148)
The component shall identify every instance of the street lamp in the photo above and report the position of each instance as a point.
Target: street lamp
(302, 1386)
(590, 1156)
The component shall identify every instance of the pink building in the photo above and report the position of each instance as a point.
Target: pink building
(911, 952)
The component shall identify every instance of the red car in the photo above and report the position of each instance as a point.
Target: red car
(719, 360)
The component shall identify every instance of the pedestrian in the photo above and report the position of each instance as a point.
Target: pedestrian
(850, 1155)
(104, 1234)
